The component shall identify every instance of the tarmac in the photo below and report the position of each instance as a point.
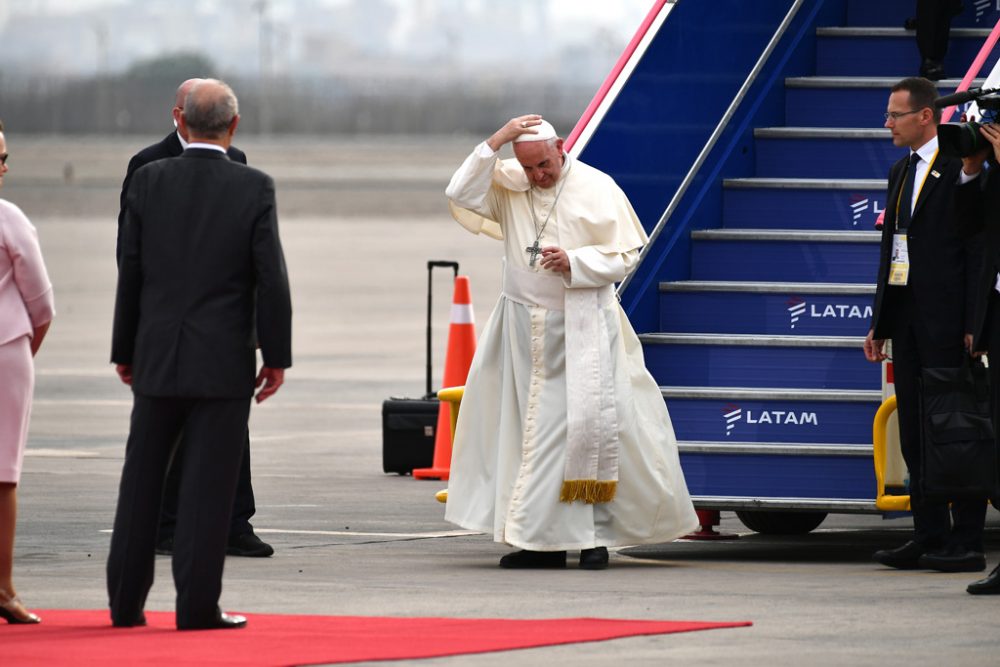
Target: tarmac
(359, 220)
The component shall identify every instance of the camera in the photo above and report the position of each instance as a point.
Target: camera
(964, 139)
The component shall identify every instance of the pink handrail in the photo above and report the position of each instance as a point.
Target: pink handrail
(977, 65)
(609, 82)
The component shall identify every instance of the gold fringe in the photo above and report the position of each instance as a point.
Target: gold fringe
(588, 490)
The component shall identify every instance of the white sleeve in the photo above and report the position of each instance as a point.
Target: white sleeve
(471, 183)
(589, 267)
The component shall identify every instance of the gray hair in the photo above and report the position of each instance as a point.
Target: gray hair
(210, 107)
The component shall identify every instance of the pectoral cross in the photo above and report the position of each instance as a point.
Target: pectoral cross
(534, 250)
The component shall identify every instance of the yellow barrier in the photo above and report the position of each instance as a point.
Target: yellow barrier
(452, 395)
(885, 502)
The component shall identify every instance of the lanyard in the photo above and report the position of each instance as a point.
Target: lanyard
(899, 198)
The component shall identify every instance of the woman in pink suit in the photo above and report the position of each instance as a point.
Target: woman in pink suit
(26, 308)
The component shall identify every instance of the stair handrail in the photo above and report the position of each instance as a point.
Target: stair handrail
(714, 138)
(977, 64)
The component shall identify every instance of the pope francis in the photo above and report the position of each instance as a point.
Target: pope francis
(563, 440)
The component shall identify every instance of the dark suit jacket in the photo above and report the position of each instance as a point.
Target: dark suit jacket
(974, 201)
(200, 255)
(170, 146)
(943, 261)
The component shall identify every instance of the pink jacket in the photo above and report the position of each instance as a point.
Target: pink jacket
(25, 291)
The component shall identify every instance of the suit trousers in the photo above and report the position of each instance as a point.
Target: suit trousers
(934, 27)
(213, 434)
(244, 506)
(913, 350)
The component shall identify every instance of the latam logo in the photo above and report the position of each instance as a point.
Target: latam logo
(981, 7)
(859, 205)
(734, 414)
(799, 308)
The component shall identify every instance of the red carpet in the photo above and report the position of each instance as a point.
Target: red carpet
(84, 638)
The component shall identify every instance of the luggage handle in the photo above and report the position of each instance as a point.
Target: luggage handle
(431, 265)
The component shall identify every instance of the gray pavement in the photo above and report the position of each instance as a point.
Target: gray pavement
(359, 221)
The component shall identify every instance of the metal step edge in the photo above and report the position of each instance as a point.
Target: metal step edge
(789, 235)
(841, 31)
(823, 132)
(765, 288)
(880, 82)
(834, 505)
(774, 448)
(751, 340)
(771, 394)
(807, 183)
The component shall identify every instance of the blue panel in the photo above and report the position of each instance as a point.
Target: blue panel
(892, 13)
(806, 209)
(839, 107)
(779, 476)
(772, 314)
(784, 261)
(774, 367)
(773, 421)
(826, 158)
(890, 56)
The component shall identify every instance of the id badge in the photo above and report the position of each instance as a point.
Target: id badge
(899, 261)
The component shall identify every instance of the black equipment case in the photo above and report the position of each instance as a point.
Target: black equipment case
(409, 425)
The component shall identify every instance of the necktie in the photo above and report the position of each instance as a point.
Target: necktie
(906, 196)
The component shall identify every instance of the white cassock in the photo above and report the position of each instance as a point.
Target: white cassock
(558, 393)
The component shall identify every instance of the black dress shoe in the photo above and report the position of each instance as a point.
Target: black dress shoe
(223, 621)
(249, 546)
(901, 558)
(524, 560)
(933, 70)
(594, 559)
(165, 546)
(137, 622)
(988, 586)
(953, 560)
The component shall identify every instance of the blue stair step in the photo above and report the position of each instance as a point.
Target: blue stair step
(728, 472)
(792, 309)
(758, 361)
(830, 153)
(891, 51)
(828, 101)
(778, 415)
(802, 204)
(892, 13)
(775, 255)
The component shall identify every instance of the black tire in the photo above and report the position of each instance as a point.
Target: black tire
(781, 523)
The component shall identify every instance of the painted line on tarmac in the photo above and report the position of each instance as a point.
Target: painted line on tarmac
(61, 453)
(353, 533)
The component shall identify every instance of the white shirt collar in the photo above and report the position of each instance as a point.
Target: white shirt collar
(199, 144)
(184, 144)
(926, 152)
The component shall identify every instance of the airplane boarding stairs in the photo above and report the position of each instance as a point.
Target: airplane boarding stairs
(759, 351)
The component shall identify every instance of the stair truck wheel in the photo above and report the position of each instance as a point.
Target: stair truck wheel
(781, 523)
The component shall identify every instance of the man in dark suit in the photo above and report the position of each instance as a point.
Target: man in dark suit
(201, 271)
(978, 202)
(924, 303)
(242, 540)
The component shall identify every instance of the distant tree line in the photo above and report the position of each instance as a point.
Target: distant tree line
(139, 100)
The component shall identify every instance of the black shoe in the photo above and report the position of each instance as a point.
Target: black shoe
(901, 558)
(138, 622)
(523, 560)
(165, 546)
(953, 560)
(223, 621)
(988, 586)
(594, 559)
(932, 69)
(248, 545)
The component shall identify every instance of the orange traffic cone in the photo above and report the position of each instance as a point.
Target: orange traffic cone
(458, 358)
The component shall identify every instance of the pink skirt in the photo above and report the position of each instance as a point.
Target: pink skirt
(16, 389)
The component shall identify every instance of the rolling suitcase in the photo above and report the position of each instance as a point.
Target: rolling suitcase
(409, 424)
